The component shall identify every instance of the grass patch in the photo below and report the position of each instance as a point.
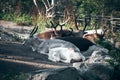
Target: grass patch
(13, 76)
(8, 17)
(20, 19)
(23, 19)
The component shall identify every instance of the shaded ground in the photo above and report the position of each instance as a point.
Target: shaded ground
(12, 28)
(7, 67)
(16, 58)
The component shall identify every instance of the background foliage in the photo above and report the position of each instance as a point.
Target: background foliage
(94, 7)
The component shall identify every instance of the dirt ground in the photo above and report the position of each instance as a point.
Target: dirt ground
(16, 58)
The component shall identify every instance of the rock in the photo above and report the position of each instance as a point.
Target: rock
(95, 71)
(96, 54)
(93, 48)
(117, 72)
(68, 73)
(95, 67)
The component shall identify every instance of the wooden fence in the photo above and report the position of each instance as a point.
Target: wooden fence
(99, 22)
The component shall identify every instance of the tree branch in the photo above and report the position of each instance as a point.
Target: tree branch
(45, 4)
(48, 3)
(36, 6)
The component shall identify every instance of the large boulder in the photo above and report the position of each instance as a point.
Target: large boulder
(96, 54)
(95, 67)
(68, 73)
(95, 71)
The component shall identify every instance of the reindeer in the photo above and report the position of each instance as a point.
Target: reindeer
(51, 34)
(82, 43)
(93, 36)
(54, 33)
(55, 49)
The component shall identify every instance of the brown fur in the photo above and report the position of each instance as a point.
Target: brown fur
(94, 36)
(49, 34)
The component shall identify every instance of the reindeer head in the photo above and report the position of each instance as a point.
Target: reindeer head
(32, 41)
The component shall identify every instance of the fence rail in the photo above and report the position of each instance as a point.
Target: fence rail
(99, 22)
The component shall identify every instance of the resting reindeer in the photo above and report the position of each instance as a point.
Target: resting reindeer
(50, 34)
(81, 43)
(57, 50)
(93, 36)
(54, 33)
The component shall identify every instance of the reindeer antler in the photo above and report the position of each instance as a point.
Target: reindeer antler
(62, 24)
(34, 31)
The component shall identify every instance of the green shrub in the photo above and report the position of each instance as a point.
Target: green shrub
(42, 23)
(20, 19)
(23, 19)
(8, 17)
(113, 52)
(12, 76)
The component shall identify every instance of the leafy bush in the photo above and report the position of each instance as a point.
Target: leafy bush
(12, 76)
(8, 17)
(113, 52)
(20, 19)
(23, 19)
